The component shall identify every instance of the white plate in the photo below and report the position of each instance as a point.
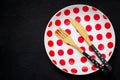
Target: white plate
(100, 31)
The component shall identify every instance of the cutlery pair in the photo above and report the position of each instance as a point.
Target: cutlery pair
(65, 37)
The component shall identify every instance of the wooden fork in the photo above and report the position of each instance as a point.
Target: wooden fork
(65, 37)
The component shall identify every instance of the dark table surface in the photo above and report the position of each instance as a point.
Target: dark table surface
(22, 26)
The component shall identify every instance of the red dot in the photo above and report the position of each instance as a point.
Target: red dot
(110, 53)
(50, 24)
(57, 22)
(67, 22)
(99, 36)
(62, 62)
(104, 17)
(87, 18)
(71, 61)
(77, 18)
(68, 31)
(70, 51)
(59, 42)
(88, 28)
(58, 14)
(94, 9)
(67, 12)
(94, 67)
(60, 52)
(85, 8)
(110, 45)
(93, 56)
(50, 43)
(49, 33)
(83, 59)
(54, 62)
(74, 70)
(97, 26)
(90, 49)
(100, 46)
(85, 69)
(76, 10)
(108, 35)
(83, 48)
(103, 55)
(91, 37)
(65, 70)
(107, 25)
(51, 53)
(96, 17)
(80, 39)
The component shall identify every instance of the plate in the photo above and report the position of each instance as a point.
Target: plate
(100, 31)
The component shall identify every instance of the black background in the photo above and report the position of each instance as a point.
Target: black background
(22, 26)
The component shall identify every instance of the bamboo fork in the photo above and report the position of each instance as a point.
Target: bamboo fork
(65, 37)
(84, 34)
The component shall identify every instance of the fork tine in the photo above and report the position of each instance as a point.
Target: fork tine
(63, 32)
(59, 34)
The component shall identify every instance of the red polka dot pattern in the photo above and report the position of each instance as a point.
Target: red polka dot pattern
(65, 70)
(94, 9)
(50, 24)
(50, 43)
(71, 61)
(57, 22)
(83, 48)
(59, 42)
(99, 29)
(91, 37)
(70, 51)
(58, 14)
(97, 26)
(99, 36)
(60, 52)
(78, 19)
(83, 59)
(67, 22)
(80, 39)
(49, 33)
(51, 53)
(74, 70)
(54, 62)
(103, 55)
(96, 17)
(76, 10)
(62, 62)
(87, 18)
(68, 31)
(85, 8)
(94, 67)
(88, 28)
(100, 46)
(93, 56)
(85, 69)
(104, 17)
(90, 49)
(108, 35)
(110, 45)
(107, 25)
(67, 12)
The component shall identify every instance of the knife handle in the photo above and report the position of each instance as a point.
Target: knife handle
(106, 64)
(102, 68)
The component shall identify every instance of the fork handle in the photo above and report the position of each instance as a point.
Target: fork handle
(106, 64)
(102, 68)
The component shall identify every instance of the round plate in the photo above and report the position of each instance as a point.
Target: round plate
(100, 31)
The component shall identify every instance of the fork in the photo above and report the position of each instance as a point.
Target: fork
(66, 38)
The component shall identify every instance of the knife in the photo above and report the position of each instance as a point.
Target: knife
(84, 34)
